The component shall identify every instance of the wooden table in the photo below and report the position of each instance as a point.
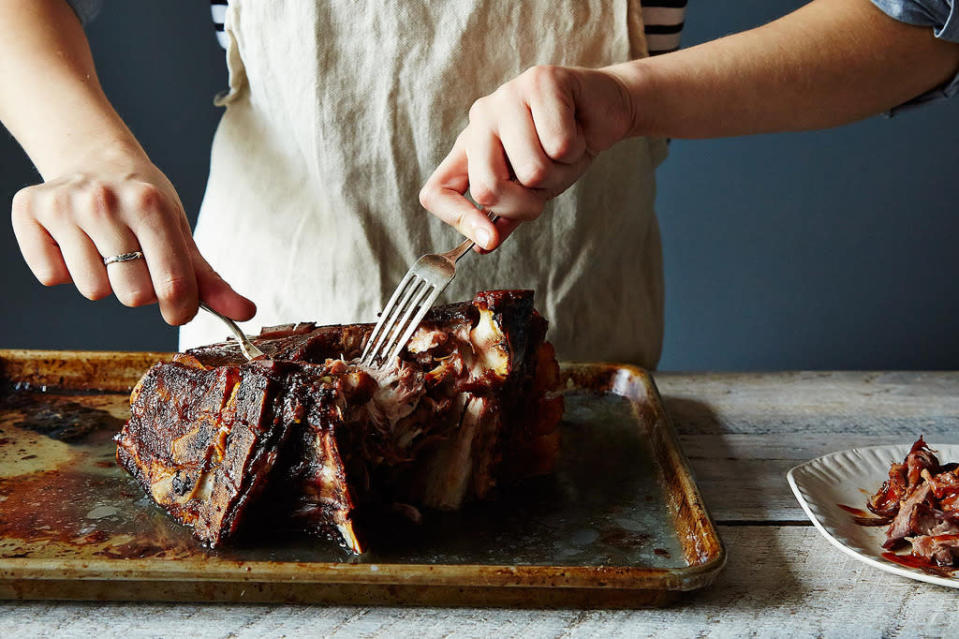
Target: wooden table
(742, 432)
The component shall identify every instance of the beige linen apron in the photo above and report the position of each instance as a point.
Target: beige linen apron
(337, 113)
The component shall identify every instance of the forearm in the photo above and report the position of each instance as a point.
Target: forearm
(828, 63)
(50, 97)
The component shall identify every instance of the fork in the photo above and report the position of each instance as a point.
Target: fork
(246, 346)
(413, 297)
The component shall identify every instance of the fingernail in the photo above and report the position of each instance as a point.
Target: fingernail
(483, 238)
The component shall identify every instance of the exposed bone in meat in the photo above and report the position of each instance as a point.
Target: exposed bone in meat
(922, 496)
(471, 402)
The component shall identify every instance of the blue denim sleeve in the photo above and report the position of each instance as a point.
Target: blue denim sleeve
(943, 17)
(86, 10)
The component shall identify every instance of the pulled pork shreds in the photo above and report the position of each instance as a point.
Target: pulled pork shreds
(310, 433)
(921, 497)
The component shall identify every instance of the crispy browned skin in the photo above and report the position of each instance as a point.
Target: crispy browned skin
(469, 403)
(202, 442)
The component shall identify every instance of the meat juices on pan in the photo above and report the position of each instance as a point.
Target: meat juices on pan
(471, 402)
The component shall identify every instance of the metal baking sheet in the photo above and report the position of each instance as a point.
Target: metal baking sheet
(620, 524)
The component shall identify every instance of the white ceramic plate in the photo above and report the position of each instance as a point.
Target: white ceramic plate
(849, 477)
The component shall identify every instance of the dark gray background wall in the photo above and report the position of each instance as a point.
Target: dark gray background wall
(831, 249)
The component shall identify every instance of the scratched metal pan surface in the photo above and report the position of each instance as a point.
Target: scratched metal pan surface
(620, 524)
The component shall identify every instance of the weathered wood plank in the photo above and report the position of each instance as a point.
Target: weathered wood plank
(780, 582)
(743, 476)
(813, 403)
(743, 431)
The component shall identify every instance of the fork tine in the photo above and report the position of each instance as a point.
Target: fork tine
(401, 311)
(392, 327)
(432, 273)
(387, 313)
(421, 306)
(401, 325)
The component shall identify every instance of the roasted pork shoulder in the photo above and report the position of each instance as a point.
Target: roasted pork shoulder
(921, 498)
(309, 434)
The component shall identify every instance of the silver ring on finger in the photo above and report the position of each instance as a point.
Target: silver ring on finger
(123, 257)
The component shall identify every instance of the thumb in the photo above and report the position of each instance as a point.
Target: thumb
(504, 228)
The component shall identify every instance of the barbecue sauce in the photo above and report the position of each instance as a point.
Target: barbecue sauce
(923, 564)
(863, 518)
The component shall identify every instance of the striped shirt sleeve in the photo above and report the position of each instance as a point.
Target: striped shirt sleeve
(218, 10)
(664, 21)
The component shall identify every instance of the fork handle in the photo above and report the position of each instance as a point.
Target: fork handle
(246, 346)
(457, 254)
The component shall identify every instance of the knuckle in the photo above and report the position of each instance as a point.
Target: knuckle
(541, 75)
(100, 200)
(50, 277)
(484, 194)
(560, 148)
(49, 209)
(478, 109)
(504, 92)
(532, 174)
(59, 207)
(173, 288)
(95, 291)
(136, 297)
(178, 315)
(559, 145)
(174, 294)
(22, 205)
(147, 198)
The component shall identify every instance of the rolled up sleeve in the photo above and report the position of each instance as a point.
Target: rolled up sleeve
(943, 17)
(86, 10)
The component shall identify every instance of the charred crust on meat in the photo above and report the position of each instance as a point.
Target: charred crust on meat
(315, 438)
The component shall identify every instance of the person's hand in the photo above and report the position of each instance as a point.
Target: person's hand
(526, 143)
(119, 203)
